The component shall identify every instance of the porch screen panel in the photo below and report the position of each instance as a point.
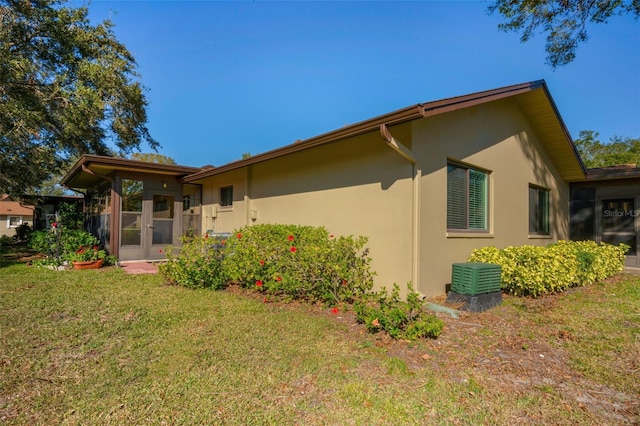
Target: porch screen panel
(163, 206)
(131, 221)
(191, 209)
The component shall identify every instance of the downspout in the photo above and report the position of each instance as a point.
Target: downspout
(408, 155)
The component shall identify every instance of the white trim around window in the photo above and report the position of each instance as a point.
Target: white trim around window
(467, 199)
(14, 221)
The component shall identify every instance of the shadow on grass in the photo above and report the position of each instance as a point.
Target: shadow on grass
(11, 254)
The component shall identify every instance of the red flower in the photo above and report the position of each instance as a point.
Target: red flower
(160, 250)
(95, 247)
(80, 250)
(259, 283)
(265, 300)
(206, 236)
(290, 237)
(335, 310)
(278, 278)
(261, 262)
(293, 249)
(344, 282)
(54, 225)
(223, 242)
(331, 236)
(239, 235)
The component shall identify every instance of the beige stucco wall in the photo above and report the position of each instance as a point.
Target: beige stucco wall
(360, 186)
(496, 137)
(354, 187)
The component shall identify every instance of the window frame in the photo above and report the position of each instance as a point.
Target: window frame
(543, 217)
(20, 221)
(223, 201)
(469, 169)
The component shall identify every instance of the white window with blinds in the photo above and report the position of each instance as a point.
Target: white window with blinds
(467, 198)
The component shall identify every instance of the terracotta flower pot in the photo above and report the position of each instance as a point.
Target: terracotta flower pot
(92, 264)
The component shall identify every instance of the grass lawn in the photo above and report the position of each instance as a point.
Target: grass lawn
(102, 347)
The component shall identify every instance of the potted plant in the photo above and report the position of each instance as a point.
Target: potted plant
(88, 257)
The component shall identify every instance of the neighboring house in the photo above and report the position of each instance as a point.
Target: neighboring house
(14, 214)
(426, 184)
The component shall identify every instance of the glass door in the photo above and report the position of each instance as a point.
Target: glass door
(161, 225)
(131, 220)
(619, 225)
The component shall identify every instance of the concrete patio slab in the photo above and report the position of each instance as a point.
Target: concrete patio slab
(136, 268)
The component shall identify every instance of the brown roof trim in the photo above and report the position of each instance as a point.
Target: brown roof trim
(396, 117)
(123, 163)
(623, 171)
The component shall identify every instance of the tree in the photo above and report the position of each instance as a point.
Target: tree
(565, 21)
(597, 154)
(152, 157)
(66, 88)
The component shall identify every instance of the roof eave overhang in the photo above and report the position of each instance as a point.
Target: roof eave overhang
(87, 163)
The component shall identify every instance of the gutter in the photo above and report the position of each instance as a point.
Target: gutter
(408, 155)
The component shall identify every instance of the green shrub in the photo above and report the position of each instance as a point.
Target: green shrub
(299, 262)
(400, 319)
(197, 264)
(6, 240)
(534, 270)
(61, 244)
(22, 231)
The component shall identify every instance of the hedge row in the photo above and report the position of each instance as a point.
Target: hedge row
(534, 270)
(297, 262)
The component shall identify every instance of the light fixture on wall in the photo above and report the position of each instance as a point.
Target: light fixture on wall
(164, 184)
(253, 214)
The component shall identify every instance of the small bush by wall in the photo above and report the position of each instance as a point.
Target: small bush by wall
(197, 264)
(399, 318)
(299, 262)
(534, 270)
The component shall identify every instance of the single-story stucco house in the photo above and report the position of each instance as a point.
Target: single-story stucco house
(426, 184)
(13, 214)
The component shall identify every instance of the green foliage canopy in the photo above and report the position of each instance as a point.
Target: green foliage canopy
(597, 154)
(67, 87)
(564, 21)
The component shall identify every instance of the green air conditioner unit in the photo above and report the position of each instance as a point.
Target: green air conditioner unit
(475, 278)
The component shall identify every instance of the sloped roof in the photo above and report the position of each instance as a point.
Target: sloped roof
(533, 97)
(623, 171)
(91, 169)
(14, 208)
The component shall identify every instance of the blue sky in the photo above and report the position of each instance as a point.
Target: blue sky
(226, 78)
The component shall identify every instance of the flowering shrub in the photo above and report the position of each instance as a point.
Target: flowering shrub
(87, 254)
(299, 262)
(401, 319)
(61, 245)
(533, 270)
(197, 264)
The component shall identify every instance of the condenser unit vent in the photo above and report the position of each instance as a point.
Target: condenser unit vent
(475, 278)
